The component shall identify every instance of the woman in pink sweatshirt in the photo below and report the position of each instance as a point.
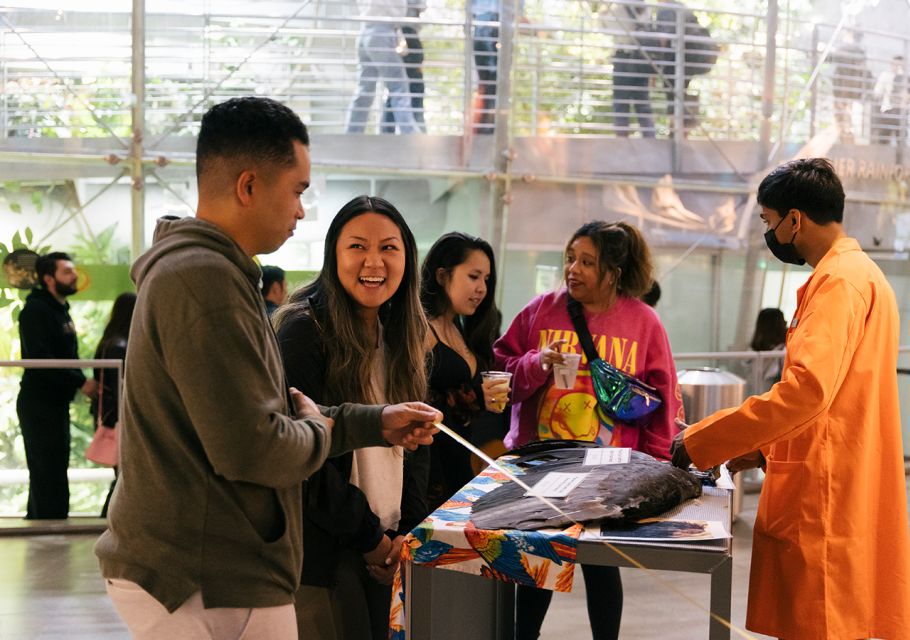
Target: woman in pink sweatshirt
(607, 267)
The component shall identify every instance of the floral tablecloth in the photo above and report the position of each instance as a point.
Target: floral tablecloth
(447, 539)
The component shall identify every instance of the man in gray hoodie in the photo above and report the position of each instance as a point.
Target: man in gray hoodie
(204, 536)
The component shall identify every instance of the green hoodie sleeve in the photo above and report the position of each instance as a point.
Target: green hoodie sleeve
(221, 355)
(236, 405)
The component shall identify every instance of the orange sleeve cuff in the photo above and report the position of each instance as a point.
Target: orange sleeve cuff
(706, 441)
(695, 446)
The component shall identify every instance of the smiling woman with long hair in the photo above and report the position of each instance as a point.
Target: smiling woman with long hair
(357, 334)
(770, 335)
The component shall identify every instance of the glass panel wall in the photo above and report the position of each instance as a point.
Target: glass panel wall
(66, 135)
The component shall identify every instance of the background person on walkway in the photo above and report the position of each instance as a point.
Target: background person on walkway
(378, 60)
(46, 331)
(106, 409)
(892, 97)
(486, 61)
(700, 53)
(831, 550)
(850, 82)
(632, 72)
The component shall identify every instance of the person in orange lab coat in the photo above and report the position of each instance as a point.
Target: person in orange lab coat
(831, 550)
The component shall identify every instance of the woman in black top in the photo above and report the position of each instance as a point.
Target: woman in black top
(106, 409)
(358, 334)
(458, 282)
(770, 335)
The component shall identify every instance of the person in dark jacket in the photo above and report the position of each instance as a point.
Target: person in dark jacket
(699, 56)
(358, 332)
(204, 530)
(112, 346)
(274, 288)
(458, 289)
(46, 331)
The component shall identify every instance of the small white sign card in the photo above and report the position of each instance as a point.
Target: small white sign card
(556, 484)
(608, 455)
(725, 481)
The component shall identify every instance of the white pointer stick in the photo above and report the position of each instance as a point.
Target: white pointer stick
(511, 476)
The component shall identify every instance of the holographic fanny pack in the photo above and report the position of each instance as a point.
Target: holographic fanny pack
(621, 396)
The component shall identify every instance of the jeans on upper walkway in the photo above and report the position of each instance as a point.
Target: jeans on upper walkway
(378, 60)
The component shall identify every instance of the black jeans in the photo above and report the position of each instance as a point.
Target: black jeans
(413, 66)
(630, 92)
(46, 435)
(486, 59)
(888, 125)
(603, 590)
(690, 101)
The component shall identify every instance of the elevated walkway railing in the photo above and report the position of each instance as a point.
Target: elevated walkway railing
(71, 77)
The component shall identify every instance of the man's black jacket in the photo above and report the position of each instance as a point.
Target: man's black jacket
(47, 331)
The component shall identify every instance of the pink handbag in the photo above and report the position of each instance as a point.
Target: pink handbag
(103, 448)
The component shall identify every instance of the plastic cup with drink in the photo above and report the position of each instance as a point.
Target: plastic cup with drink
(496, 389)
(564, 374)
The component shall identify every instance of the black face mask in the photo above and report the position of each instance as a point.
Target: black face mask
(783, 252)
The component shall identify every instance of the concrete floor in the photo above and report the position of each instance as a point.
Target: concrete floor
(50, 588)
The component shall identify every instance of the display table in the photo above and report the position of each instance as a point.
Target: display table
(458, 581)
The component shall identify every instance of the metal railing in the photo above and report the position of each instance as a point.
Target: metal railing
(18, 477)
(67, 74)
(754, 363)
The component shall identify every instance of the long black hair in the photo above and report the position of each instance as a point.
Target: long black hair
(481, 329)
(118, 326)
(770, 330)
(337, 315)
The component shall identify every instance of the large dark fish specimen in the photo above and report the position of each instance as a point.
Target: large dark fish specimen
(619, 493)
